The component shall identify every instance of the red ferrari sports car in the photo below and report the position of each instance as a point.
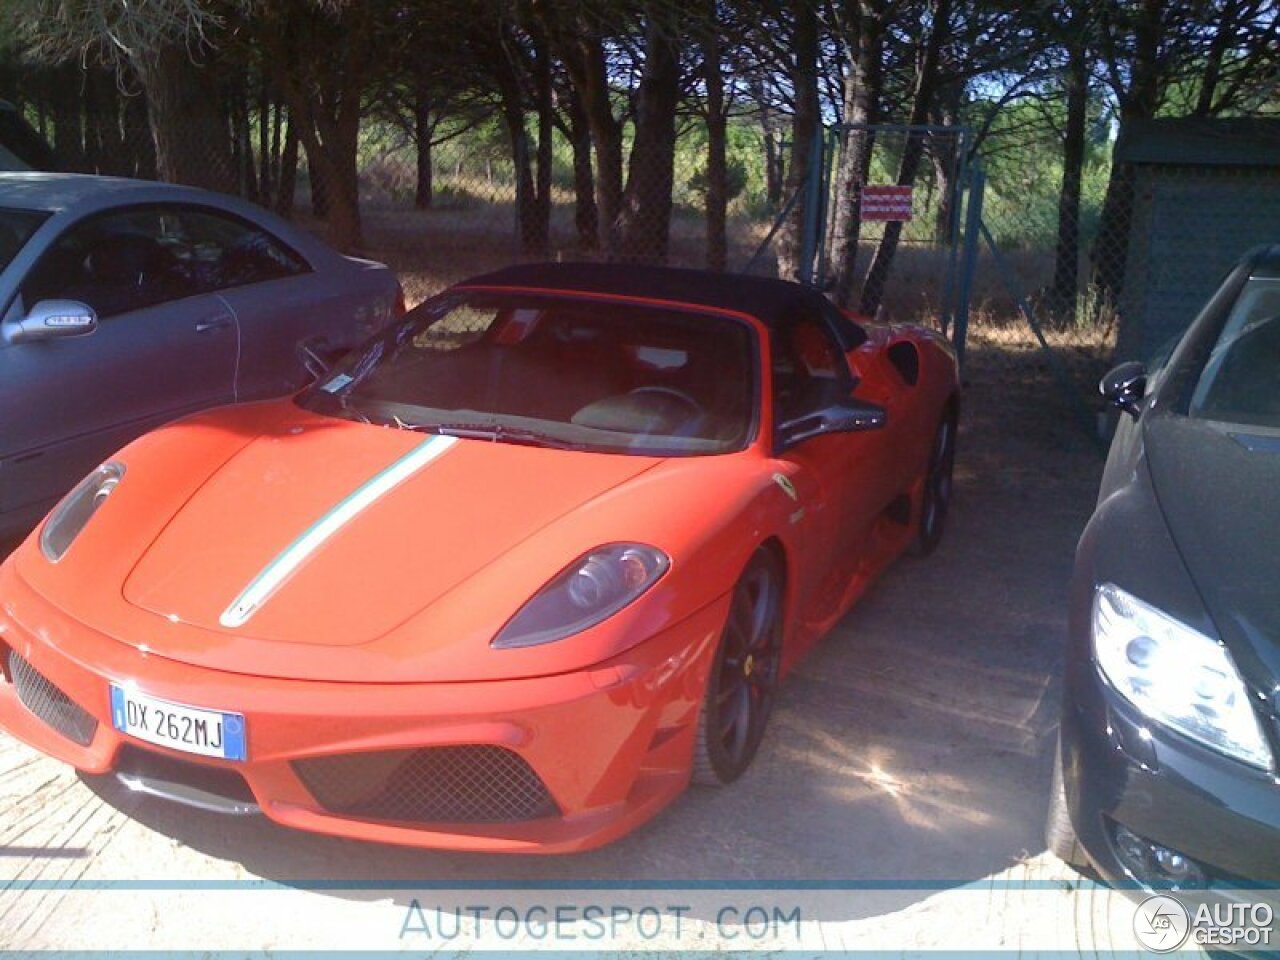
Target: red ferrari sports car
(507, 578)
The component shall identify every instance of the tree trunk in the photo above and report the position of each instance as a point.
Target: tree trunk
(526, 197)
(585, 216)
(584, 61)
(104, 146)
(1111, 247)
(511, 97)
(545, 94)
(192, 140)
(287, 178)
(238, 99)
(863, 87)
(944, 150)
(424, 186)
(773, 171)
(717, 198)
(1062, 295)
(922, 100)
(803, 72)
(645, 222)
(139, 146)
(319, 190)
(265, 154)
(68, 123)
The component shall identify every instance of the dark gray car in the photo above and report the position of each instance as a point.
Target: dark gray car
(125, 304)
(1167, 772)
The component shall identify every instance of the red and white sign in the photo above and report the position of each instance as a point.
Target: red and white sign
(886, 203)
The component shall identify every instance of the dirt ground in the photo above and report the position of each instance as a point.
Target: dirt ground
(910, 751)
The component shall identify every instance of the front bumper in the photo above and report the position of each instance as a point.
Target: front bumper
(1120, 770)
(612, 744)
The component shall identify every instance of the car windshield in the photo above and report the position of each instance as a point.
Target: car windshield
(1240, 382)
(578, 373)
(16, 228)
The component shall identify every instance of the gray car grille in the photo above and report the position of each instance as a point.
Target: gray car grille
(459, 784)
(39, 695)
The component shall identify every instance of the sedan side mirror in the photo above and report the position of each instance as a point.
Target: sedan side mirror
(847, 416)
(54, 319)
(316, 356)
(1125, 386)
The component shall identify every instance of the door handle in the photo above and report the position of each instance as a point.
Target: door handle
(216, 323)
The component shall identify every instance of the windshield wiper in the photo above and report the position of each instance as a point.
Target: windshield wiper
(495, 432)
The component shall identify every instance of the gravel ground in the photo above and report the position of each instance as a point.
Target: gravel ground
(911, 750)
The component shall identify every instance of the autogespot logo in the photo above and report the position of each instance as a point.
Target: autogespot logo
(1161, 924)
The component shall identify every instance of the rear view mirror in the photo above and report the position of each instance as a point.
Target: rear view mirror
(317, 356)
(848, 416)
(1125, 386)
(55, 319)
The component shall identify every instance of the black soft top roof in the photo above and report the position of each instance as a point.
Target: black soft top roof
(770, 301)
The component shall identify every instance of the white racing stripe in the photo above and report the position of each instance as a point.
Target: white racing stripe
(278, 570)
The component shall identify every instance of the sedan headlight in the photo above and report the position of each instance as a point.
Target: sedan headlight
(1175, 675)
(70, 516)
(592, 588)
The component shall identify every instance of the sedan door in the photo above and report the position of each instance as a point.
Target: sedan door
(281, 300)
(826, 471)
(163, 348)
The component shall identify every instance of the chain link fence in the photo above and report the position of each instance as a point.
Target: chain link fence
(885, 213)
(1183, 201)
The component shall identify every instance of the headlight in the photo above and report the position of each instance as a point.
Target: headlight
(70, 516)
(592, 588)
(1175, 675)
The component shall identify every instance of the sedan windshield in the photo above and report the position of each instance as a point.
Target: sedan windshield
(16, 228)
(554, 371)
(1240, 382)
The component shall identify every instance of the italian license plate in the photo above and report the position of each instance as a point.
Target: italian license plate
(210, 733)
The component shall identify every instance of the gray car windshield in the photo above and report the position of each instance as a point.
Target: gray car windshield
(16, 228)
(1240, 382)
(584, 374)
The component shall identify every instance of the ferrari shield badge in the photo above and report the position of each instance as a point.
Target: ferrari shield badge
(787, 486)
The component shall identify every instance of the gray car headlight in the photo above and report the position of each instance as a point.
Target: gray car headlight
(70, 516)
(591, 589)
(1175, 675)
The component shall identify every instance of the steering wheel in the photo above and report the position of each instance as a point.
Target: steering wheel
(693, 406)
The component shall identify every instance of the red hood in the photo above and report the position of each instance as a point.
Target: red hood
(207, 504)
(439, 525)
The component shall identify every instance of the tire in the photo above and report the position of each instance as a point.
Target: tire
(1059, 835)
(935, 497)
(743, 680)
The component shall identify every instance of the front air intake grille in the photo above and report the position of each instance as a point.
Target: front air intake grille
(467, 784)
(39, 695)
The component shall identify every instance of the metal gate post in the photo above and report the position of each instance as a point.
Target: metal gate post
(832, 146)
(969, 262)
(812, 209)
(949, 286)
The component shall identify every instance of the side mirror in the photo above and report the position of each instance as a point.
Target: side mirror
(847, 416)
(1125, 386)
(54, 319)
(316, 356)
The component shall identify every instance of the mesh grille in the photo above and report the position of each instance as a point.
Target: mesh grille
(466, 784)
(41, 697)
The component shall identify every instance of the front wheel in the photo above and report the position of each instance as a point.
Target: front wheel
(1059, 835)
(744, 676)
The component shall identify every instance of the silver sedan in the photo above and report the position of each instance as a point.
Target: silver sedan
(125, 304)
